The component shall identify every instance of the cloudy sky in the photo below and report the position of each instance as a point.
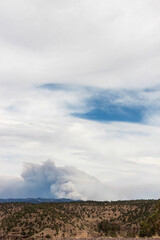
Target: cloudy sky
(80, 99)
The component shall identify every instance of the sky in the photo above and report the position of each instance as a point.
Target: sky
(80, 99)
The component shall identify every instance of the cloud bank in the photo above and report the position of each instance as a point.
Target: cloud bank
(109, 44)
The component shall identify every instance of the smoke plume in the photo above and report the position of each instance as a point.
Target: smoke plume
(46, 180)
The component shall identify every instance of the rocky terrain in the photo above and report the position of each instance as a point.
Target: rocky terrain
(82, 220)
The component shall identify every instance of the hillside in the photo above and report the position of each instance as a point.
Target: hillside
(77, 219)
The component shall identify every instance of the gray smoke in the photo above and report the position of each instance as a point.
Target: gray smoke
(46, 180)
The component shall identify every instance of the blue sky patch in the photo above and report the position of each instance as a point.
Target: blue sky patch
(107, 104)
(114, 113)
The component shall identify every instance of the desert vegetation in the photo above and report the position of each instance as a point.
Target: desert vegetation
(80, 220)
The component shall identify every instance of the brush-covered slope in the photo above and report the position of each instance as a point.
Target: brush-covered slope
(151, 226)
(75, 219)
